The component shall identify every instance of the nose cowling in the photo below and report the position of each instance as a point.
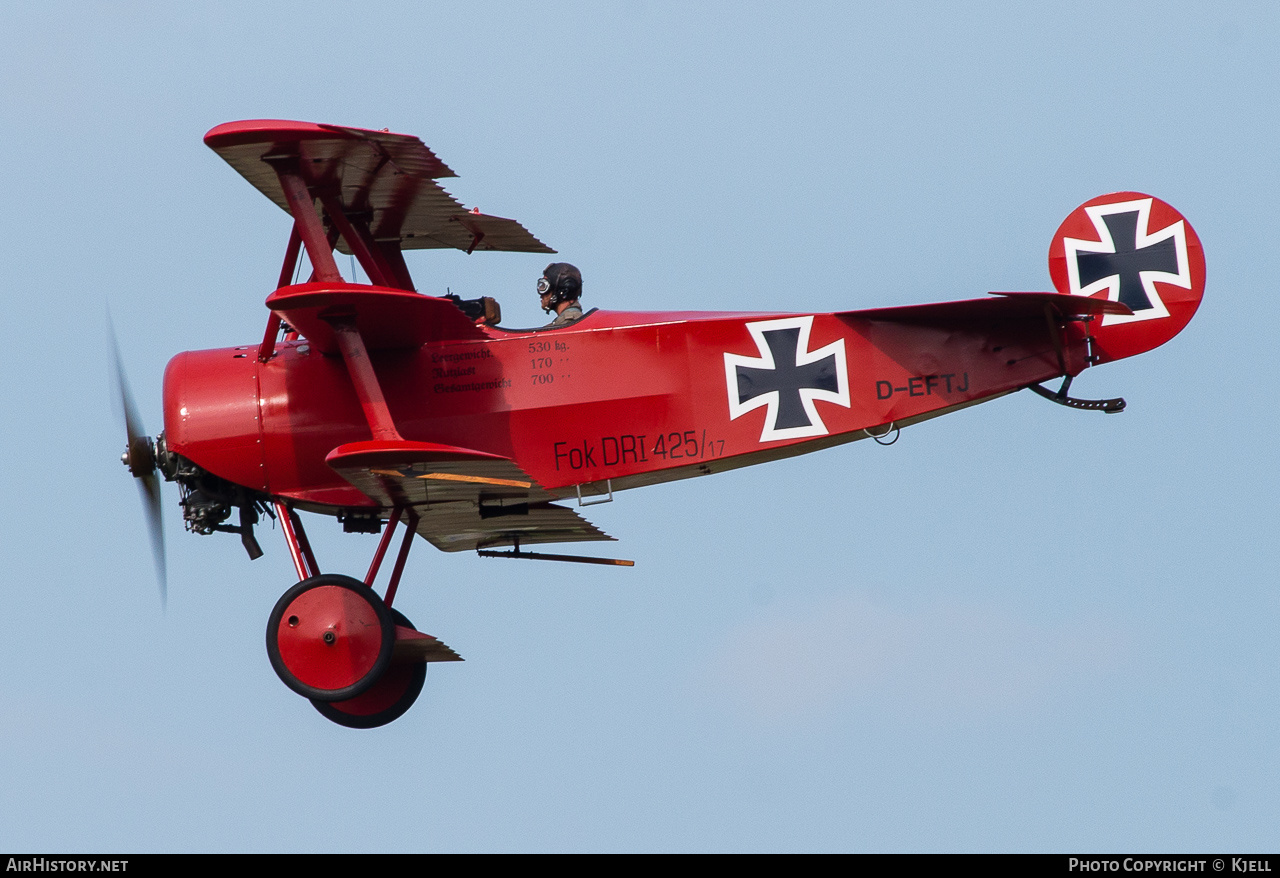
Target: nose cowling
(211, 413)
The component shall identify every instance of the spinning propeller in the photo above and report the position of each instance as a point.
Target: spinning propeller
(140, 457)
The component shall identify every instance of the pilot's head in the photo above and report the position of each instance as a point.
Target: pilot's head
(560, 282)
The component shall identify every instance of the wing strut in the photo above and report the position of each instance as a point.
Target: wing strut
(291, 253)
(365, 380)
(356, 234)
(306, 220)
(308, 225)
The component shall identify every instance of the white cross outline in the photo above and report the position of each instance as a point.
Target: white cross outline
(808, 395)
(1104, 244)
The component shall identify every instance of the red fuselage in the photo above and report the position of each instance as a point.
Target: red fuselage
(634, 398)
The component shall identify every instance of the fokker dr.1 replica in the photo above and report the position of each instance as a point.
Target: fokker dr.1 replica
(383, 407)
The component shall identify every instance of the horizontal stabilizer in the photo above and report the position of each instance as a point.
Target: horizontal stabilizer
(1070, 305)
(1006, 305)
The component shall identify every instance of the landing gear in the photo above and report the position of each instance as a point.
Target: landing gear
(388, 698)
(331, 639)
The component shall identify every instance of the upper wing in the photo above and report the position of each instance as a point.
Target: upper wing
(388, 178)
(465, 499)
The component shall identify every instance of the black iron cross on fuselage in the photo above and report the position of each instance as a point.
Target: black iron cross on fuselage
(1128, 260)
(787, 378)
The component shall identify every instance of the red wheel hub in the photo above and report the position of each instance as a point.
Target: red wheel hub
(385, 701)
(330, 638)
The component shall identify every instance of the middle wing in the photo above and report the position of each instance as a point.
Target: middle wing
(465, 499)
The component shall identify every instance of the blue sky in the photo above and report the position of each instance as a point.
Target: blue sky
(1020, 628)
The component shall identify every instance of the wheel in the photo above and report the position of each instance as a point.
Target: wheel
(329, 637)
(388, 698)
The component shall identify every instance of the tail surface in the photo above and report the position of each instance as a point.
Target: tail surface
(1136, 250)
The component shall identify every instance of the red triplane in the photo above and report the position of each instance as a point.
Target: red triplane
(380, 406)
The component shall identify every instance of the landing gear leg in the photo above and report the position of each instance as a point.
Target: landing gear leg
(331, 638)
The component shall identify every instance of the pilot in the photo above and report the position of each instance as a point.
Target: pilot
(560, 288)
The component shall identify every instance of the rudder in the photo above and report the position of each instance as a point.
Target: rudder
(1137, 250)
